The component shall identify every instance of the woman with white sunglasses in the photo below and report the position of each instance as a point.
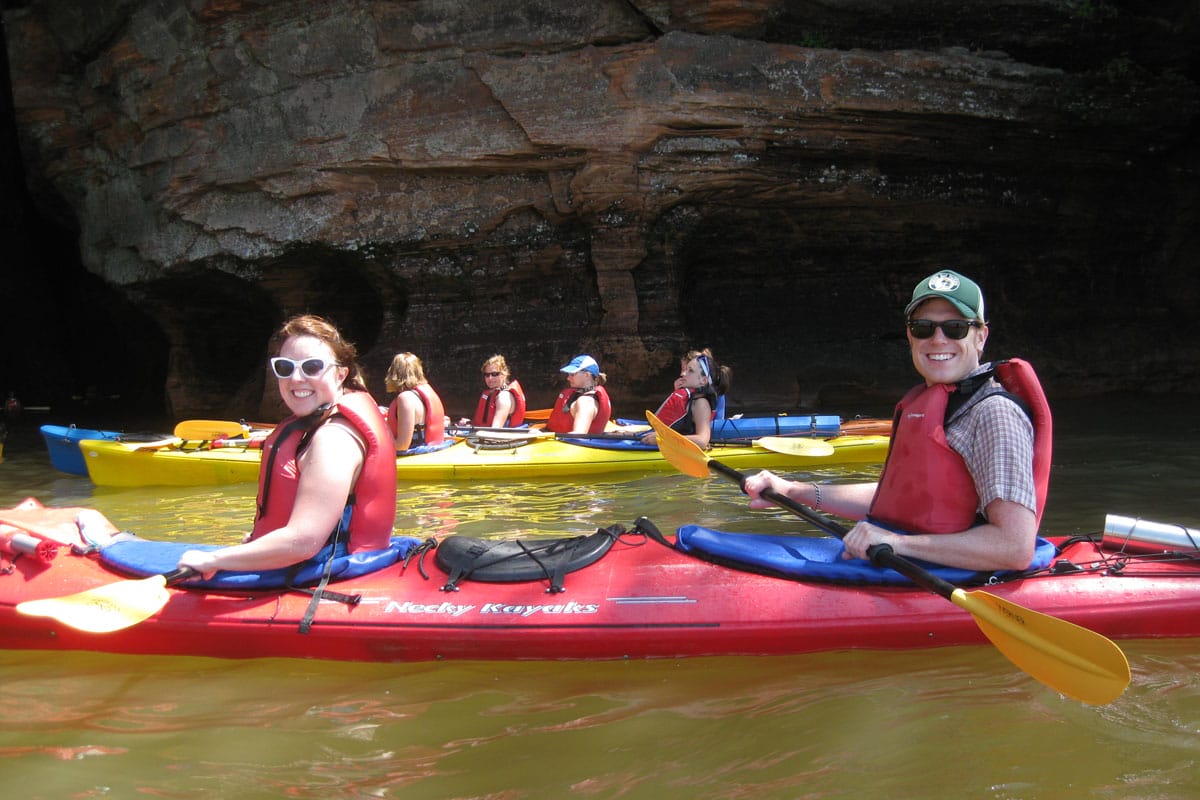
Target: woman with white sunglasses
(328, 473)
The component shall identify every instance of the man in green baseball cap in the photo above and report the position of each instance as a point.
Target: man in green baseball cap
(952, 304)
(966, 476)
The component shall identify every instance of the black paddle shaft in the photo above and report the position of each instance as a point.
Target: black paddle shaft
(178, 574)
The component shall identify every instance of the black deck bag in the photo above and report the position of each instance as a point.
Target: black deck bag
(515, 560)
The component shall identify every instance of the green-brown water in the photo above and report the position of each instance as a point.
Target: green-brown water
(950, 723)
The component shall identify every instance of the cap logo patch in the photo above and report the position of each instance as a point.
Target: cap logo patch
(943, 282)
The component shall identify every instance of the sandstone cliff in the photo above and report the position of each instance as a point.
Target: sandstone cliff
(628, 179)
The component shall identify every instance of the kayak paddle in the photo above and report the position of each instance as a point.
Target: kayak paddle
(1066, 657)
(108, 608)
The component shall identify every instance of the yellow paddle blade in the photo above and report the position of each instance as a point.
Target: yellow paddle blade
(208, 428)
(680, 452)
(795, 446)
(105, 608)
(1069, 659)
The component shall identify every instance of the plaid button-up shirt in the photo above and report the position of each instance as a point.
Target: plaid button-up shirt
(995, 438)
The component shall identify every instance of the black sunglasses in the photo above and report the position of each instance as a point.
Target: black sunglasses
(312, 367)
(953, 328)
(492, 374)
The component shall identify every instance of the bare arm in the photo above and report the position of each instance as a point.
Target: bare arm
(1006, 541)
(584, 411)
(702, 418)
(410, 412)
(504, 407)
(846, 500)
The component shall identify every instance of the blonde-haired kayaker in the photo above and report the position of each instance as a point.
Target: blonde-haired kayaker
(584, 406)
(502, 402)
(416, 416)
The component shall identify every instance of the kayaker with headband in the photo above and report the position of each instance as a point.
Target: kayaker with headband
(328, 471)
(692, 407)
(965, 480)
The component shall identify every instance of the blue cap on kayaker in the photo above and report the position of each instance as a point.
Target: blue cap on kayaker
(962, 292)
(582, 364)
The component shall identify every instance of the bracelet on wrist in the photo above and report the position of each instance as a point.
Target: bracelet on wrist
(816, 496)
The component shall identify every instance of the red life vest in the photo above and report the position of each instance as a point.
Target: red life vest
(485, 409)
(676, 410)
(372, 501)
(435, 415)
(925, 486)
(1017, 376)
(561, 420)
(433, 431)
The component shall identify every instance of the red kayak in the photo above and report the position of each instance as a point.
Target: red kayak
(635, 599)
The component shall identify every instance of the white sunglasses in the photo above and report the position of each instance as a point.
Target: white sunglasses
(311, 367)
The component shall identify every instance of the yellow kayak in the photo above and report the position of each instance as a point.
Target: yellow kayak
(111, 463)
(114, 463)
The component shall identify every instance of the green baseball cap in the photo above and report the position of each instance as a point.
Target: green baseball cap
(962, 292)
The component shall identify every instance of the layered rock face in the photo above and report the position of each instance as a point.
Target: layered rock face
(627, 179)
